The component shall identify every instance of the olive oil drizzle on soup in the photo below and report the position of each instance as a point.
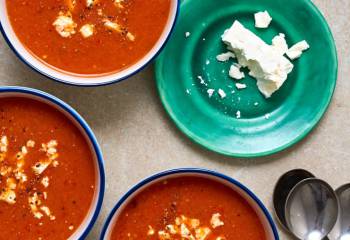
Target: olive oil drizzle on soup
(47, 174)
(89, 36)
(193, 208)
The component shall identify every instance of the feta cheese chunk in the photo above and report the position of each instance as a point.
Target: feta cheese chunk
(112, 25)
(222, 93)
(280, 44)
(90, 3)
(210, 92)
(269, 67)
(262, 19)
(224, 57)
(87, 30)
(241, 86)
(235, 72)
(64, 24)
(295, 51)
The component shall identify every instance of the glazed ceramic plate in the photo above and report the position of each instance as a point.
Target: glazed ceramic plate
(266, 126)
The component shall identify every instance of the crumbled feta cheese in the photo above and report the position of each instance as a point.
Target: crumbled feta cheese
(40, 167)
(202, 81)
(184, 231)
(215, 220)
(256, 104)
(295, 51)
(262, 19)
(238, 114)
(119, 3)
(202, 233)
(187, 34)
(224, 57)
(279, 44)
(113, 26)
(235, 72)
(130, 36)
(210, 92)
(90, 3)
(64, 24)
(45, 181)
(150, 231)
(207, 62)
(270, 68)
(222, 93)
(87, 30)
(3, 144)
(30, 143)
(267, 116)
(240, 86)
(163, 235)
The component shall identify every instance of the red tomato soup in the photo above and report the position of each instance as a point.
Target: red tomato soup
(191, 208)
(89, 36)
(47, 173)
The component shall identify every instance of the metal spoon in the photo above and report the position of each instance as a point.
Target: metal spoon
(341, 230)
(282, 189)
(311, 209)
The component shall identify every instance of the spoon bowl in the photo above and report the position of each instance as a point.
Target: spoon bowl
(311, 209)
(341, 230)
(282, 189)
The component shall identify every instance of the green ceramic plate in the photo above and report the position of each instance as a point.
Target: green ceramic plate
(294, 110)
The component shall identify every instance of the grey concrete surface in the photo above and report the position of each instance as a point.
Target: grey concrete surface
(138, 139)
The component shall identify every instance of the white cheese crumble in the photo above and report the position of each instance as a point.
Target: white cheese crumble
(210, 92)
(235, 72)
(202, 233)
(119, 3)
(270, 68)
(90, 3)
(187, 34)
(150, 231)
(45, 181)
(3, 144)
(279, 43)
(295, 51)
(224, 57)
(112, 25)
(238, 114)
(64, 24)
(262, 19)
(222, 93)
(87, 30)
(215, 220)
(240, 86)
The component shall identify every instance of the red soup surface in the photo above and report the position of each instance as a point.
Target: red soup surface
(191, 208)
(89, 36)
(47, 173)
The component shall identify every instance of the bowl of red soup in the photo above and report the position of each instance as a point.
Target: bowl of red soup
(51, 168)
(190, 204)
(87, 42)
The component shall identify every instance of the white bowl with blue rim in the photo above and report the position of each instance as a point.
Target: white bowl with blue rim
(244, 192)
(83, 79)
(83, 230)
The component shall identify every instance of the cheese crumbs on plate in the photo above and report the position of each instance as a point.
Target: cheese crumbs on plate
(262, 19)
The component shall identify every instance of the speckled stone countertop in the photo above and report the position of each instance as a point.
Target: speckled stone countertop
(138, 139)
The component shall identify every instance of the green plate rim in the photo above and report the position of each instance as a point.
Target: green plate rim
(313, 124)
